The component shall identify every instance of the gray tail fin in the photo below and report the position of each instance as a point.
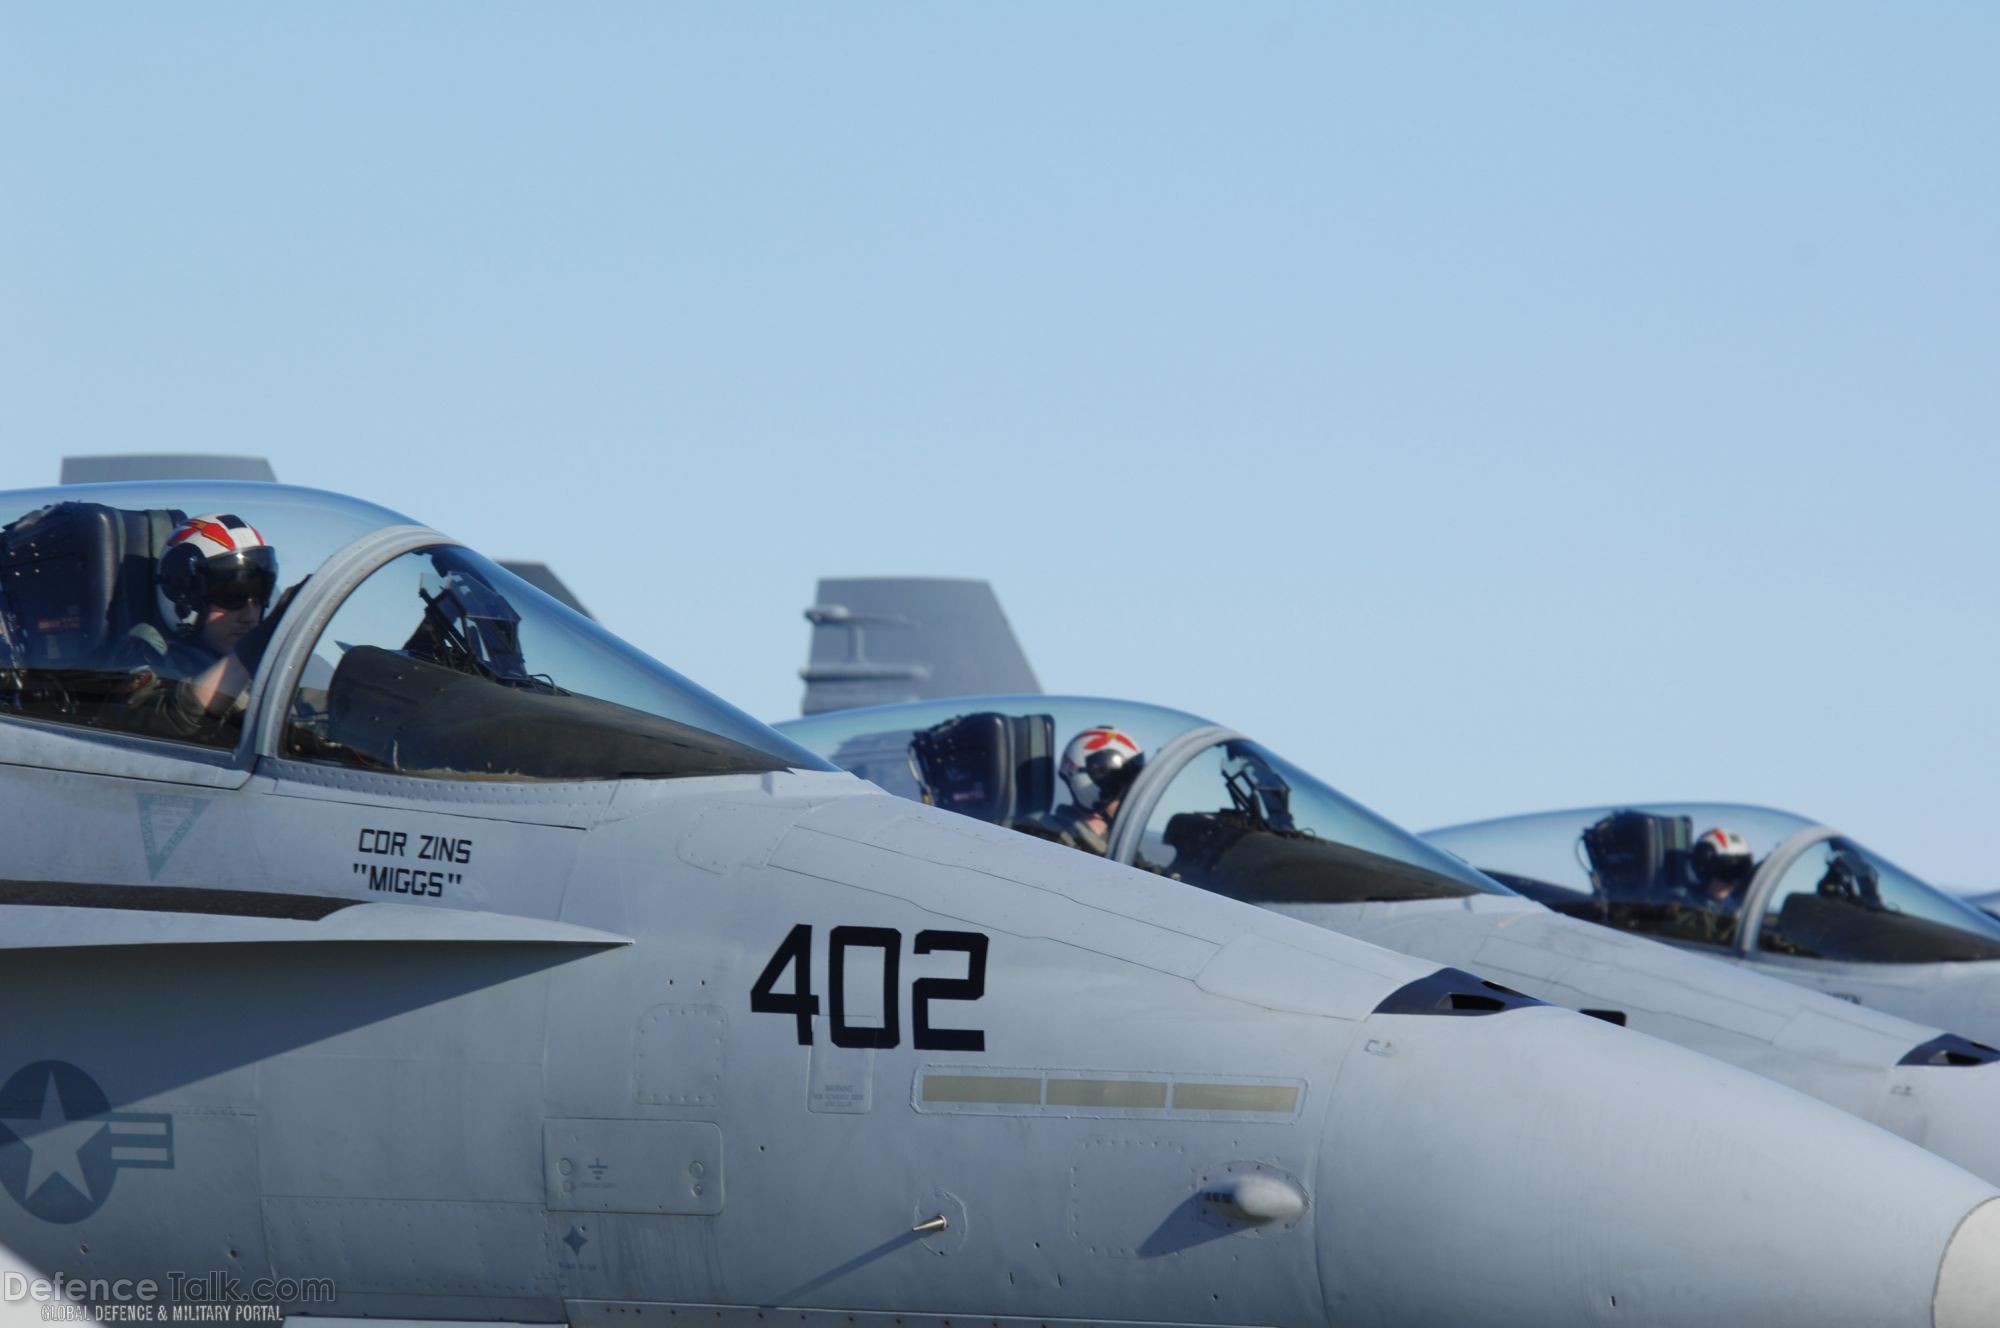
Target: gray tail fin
(543, 578)
(164, 466)
(877, 640)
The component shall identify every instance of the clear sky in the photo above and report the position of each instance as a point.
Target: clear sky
(1490, 406)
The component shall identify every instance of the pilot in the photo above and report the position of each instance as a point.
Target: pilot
(1099, 766)
(214, 579)
(1721, 865)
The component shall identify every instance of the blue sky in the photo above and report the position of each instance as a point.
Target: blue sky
(1490, 407)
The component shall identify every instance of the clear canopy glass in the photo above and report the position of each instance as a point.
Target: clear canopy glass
(1640, 868)
(443, 664)
(1236, 818)
(305, 526)
(875, 743)
(439, 663)
(1839, 900)
(86, 636)
(1242, 821)
(1544, 856)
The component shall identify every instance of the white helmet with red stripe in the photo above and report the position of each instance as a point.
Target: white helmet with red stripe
(1722, 856)
(1099, 765)
(215, 560)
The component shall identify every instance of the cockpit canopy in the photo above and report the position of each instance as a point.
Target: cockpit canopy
(1810, 893)
(428, 660)
(1207, 806)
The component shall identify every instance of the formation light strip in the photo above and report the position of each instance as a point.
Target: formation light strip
(1068, 1094)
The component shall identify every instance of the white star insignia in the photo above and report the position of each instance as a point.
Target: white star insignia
(53, 1148)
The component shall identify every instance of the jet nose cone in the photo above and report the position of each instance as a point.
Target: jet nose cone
(1968, 1289)
(1534, 1168)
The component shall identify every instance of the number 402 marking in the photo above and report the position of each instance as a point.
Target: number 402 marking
(795, 953)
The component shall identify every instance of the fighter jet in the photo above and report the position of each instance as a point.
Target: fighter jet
(1803, 902)
(1199, 803)
(432, 954)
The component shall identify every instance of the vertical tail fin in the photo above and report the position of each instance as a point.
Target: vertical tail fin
(543, 578)
(880, 640)
(164, 466)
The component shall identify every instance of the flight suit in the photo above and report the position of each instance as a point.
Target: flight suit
(160, 702)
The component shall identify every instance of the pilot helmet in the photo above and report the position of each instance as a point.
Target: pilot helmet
(1721, 856)
(1099, 765)
(218, 560)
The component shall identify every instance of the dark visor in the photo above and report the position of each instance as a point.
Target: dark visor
(232, 580)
